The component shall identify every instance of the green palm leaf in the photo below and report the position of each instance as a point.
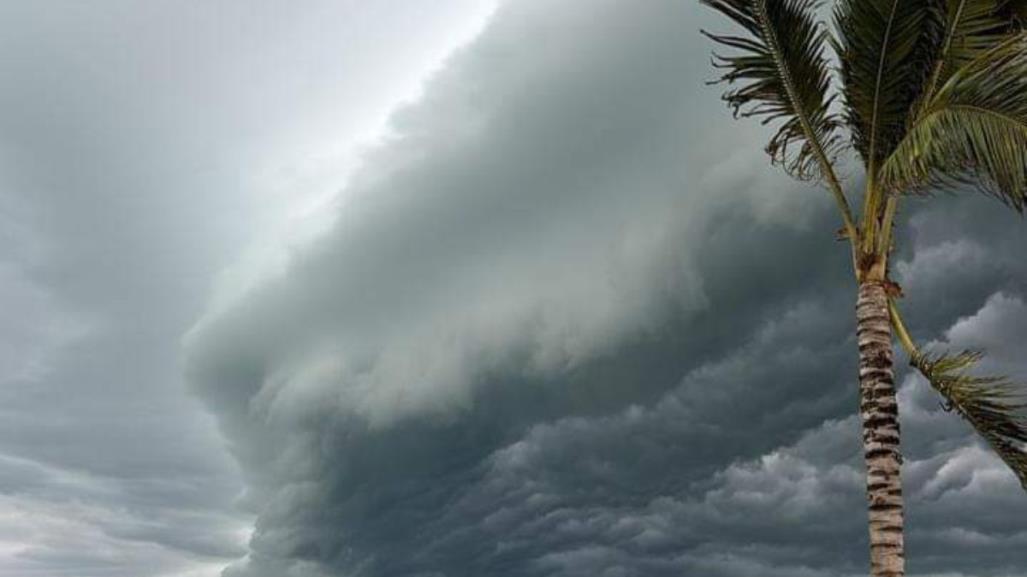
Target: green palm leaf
(993, 406)
(973, 130)
(884, 49)
(972, 27)
(783, 76)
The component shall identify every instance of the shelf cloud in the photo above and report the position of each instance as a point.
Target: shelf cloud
(566, 322)
(447, 289)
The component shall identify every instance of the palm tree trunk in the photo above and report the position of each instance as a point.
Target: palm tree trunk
(879, 412)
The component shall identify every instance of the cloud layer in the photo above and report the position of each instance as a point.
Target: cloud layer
(566, 322)
(142, 146)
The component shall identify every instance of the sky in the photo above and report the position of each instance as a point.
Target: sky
(469, 287)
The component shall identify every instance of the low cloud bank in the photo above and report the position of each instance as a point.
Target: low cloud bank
(567, 322)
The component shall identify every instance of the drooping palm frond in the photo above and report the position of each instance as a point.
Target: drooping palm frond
(782, 76)
(885, 49)
(993, 406)
(973, 130)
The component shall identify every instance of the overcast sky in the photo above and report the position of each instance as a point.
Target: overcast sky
(330, 288)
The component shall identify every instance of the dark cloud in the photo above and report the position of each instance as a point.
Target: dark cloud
(566, 322)
(562, 320)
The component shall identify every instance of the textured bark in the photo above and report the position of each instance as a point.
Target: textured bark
(879, 412)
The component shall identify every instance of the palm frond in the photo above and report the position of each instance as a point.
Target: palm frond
(971, 28)
(782, 76)
(885, 49)
(974, 130)
(993, 406)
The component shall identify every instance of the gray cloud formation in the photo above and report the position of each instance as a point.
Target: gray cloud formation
(566, 322)
(142, 145)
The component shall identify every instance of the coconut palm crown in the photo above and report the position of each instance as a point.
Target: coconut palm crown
(930, 95)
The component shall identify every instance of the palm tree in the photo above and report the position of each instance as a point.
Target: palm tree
(930, 94)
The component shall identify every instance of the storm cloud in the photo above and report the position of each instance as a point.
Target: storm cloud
(143, 145)
(566, 321)
(336, 288)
